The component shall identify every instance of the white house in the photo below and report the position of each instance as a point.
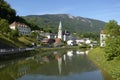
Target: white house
(88, 41)
(22, 28)
(102, 38)
(82, 41)
(47, 35)
(50, 35)
(70, 42)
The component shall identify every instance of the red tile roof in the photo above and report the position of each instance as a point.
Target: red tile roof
(57, 40)
(102, 32)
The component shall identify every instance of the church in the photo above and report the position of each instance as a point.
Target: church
(60, 33)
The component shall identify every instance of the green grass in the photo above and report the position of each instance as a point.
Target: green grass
(5, 40)
(26, 40)
(112, 67)
(19, 42)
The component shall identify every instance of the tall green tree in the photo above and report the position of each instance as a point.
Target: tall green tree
(112, 48)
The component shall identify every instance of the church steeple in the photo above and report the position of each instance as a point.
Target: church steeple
(60, 25)
(60, 31)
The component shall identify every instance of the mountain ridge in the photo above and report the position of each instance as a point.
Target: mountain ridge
(69, 22)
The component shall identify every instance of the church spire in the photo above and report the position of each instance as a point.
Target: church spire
(60, 31)
(60, 25)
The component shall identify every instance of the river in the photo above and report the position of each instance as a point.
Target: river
(54, 65)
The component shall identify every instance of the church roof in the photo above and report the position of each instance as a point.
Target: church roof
(57, 40)
(102, 32)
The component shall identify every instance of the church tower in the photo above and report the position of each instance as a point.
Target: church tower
(60, 31)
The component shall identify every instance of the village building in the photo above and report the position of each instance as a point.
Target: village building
(102, 38)
(47, 35)
(70, 42)
(22, 28)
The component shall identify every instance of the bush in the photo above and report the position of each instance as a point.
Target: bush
(112, 48)
(84, 46)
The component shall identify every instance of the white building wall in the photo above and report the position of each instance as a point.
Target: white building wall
(88, 41)
(70, 42)
(102, 39)
(24, 30)
(12, 27)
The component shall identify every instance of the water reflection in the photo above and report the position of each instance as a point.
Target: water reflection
(59, 59)
(56, 65)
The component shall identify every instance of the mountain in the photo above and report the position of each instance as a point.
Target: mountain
(69, 22)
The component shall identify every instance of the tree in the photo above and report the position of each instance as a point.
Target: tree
(112, 28)
(112, 47)
(4, 26)
(14, 33)
(34, 34)
(6, 12)
(91, 35)
(48, 30)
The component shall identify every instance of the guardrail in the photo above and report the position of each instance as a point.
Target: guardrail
(14, 50)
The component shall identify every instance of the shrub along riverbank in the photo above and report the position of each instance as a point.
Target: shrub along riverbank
(112, 66)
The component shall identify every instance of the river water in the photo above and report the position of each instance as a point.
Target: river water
(54, 65)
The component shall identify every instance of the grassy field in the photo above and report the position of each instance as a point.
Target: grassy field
(112, 67)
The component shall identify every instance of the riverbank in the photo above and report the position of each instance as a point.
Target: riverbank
(112, 67)
(59, 48)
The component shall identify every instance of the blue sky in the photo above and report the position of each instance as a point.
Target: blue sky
(104, 10)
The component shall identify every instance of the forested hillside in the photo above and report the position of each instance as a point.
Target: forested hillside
(9, 14)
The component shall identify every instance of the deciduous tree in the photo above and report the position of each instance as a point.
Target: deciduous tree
(112, 48)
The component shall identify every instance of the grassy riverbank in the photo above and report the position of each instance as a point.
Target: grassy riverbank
(60, 48)
(112, 67)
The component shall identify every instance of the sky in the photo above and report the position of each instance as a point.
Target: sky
(104, 10)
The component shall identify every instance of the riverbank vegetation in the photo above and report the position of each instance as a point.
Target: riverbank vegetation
(112, 47)
(112, 67)
(108, 57)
